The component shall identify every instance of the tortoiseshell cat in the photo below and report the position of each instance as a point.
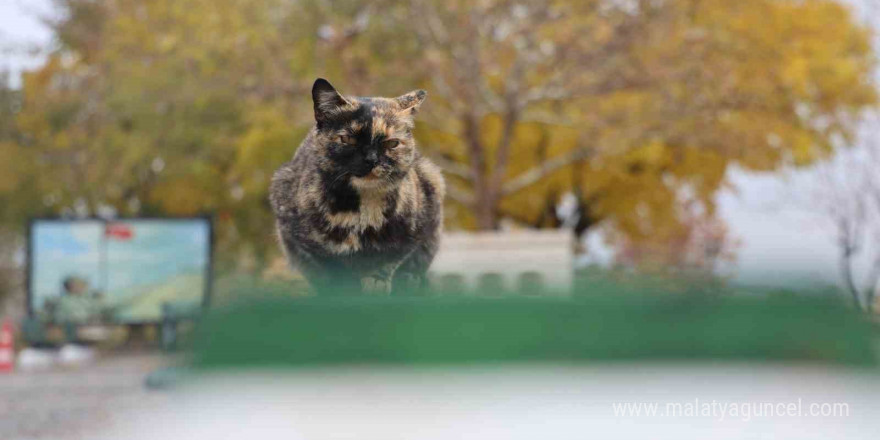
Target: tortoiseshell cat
(358, 208)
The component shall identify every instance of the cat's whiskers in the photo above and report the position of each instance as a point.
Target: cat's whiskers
(343, 174)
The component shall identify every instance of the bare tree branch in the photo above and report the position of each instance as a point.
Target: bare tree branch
(539, 172)
(459, 195)
(849, 192)
(848, 251)
(452, 167)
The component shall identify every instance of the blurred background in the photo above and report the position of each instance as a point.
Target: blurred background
(731, 140)
(728, 145)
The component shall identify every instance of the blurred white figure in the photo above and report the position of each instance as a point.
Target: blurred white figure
(75, 355)
(34, 359)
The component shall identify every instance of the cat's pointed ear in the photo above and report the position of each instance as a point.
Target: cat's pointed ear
(327, 100)
(411, 102)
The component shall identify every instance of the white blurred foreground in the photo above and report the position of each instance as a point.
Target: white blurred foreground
(506, 403)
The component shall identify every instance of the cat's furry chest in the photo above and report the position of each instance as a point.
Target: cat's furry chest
(377, 224)
(370, 213)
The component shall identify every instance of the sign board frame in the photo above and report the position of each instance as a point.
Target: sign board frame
(29, 253)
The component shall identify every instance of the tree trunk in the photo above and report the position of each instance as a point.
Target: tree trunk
(485, 199)
(848, 277)
(487, 216)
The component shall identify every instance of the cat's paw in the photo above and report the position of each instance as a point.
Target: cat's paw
(376, 286)
(407, 283)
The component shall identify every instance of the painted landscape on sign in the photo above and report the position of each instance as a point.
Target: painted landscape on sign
(121, 271)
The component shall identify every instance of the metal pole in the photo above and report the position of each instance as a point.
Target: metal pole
(105, 273)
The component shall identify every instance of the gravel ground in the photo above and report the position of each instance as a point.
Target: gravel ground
(76, 403)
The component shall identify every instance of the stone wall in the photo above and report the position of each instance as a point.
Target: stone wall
(506, 260)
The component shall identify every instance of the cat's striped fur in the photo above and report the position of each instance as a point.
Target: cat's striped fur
(358, 209)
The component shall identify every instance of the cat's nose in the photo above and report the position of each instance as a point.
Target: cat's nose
(372, 157)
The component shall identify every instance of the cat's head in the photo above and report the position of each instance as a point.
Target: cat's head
(368, 141)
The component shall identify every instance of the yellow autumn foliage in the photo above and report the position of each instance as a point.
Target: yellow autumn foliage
(180, 107)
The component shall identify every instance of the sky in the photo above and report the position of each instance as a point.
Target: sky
(61, 251)
(780, 237)
(20, 24)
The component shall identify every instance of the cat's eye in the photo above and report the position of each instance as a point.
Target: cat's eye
(350, 140)
(391, 144)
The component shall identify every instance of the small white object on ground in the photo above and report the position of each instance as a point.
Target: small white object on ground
(74, 355)
(35, 359)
